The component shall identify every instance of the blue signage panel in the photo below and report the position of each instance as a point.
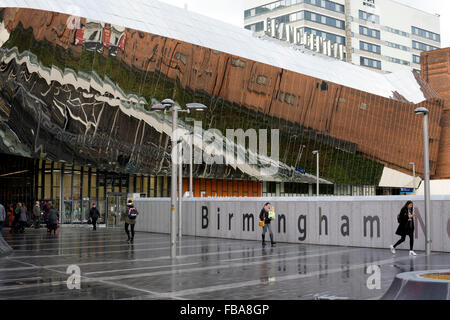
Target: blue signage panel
(406, 190)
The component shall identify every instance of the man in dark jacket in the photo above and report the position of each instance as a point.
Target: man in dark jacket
(53, 219)
(94, 215)
(37, 215)
(264, 216)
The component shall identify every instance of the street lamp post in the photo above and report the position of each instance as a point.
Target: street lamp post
(414, 176)
(316, 152)
(191, 154)
(426, 166)
(180, 188)
(191, 190)
(168, 105)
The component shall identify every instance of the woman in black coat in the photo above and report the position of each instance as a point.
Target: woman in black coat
(405, 227)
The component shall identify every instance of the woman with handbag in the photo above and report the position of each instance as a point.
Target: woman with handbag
(406, 227)
(265, 224)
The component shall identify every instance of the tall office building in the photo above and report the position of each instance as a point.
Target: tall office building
(382, 35)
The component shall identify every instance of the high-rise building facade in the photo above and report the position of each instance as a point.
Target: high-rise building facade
(382, 35)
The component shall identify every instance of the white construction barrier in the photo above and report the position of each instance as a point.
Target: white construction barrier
(344, 221)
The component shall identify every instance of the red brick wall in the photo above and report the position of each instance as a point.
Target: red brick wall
(435, 67)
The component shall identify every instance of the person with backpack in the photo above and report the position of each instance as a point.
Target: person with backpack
(265, 224)
(406, 227)
(130, 220)
(53, 219)
(94, 215)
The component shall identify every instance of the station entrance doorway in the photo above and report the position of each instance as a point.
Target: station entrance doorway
(116, 206)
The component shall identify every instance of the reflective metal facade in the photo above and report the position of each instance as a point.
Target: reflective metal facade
(82, 95)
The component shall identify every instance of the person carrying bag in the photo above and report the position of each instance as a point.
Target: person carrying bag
(265, 223)
(405, 227)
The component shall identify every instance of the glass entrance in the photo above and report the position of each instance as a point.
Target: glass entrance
(116, 204)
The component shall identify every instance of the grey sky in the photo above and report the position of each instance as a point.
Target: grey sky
(232, 11)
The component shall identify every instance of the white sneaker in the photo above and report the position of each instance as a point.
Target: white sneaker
(392, 249)
(412, 253)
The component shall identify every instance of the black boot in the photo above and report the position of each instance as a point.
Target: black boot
(263, 240)
(128, 235)
(271, 240)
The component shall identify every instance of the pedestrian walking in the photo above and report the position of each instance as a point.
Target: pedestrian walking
(15, 219)
(2, 217)
(37, 215)
(46, 208)
(406, 227)
(53, 219)
(265, 224)
(22, 218)
(94, 215)
(11, 217)
(130, 219)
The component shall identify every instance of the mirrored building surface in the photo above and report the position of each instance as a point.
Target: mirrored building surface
(78, 79)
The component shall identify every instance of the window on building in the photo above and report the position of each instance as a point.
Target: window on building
(371, 63)
(423, 46)
(416, 59)
(397, 46)
(363, 15)
(373, 33)
(369, 47)
(398, 61)
(256, 27)
(329, 36)
(396, 31)
(332, 22)
(425, 34)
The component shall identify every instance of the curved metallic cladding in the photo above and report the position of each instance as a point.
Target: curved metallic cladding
(81, 95)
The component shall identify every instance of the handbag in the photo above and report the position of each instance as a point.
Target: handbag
(261, 223)
(89, 221)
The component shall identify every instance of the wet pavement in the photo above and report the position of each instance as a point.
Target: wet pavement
(206, 268)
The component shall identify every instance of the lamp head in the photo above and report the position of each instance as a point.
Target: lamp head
(421, 110)
(315, 152)
(169, 102)
(196, 106)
